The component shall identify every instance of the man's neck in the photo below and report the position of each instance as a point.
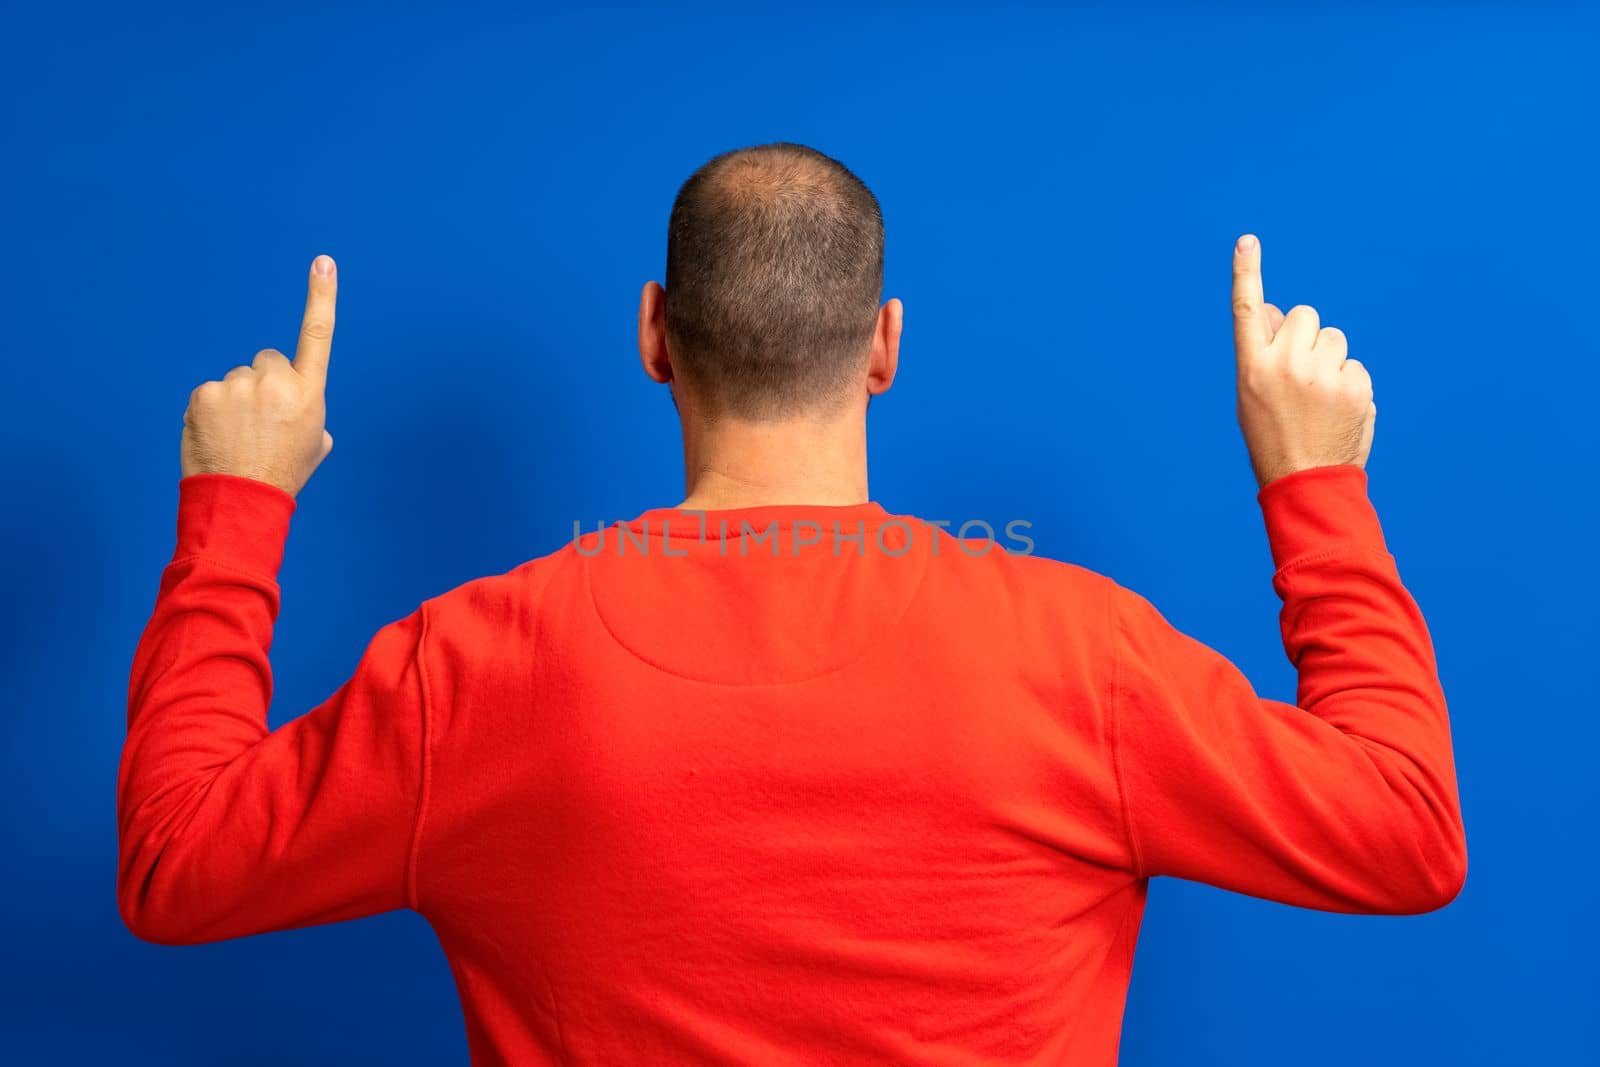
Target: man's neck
(737, 464)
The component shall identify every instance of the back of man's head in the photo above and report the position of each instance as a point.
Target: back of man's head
(774, 276)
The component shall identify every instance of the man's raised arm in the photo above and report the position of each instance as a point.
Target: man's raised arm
(1347, 799)
(225, 828)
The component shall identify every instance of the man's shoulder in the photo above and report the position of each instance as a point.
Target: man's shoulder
(506, 597)
(987, 559)
(1022, 592)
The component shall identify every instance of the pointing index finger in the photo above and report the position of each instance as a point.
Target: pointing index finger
(316, 329)
(1250, 325)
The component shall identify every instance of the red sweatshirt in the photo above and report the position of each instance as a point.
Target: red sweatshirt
(875, 799)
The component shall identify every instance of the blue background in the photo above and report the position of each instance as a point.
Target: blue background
(1061, 190)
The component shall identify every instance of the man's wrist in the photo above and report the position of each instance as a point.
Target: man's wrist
(237, 521)
(1320, 511)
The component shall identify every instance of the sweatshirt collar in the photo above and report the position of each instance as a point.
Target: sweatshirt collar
(719, 523)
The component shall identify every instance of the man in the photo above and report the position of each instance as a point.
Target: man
(776, 776)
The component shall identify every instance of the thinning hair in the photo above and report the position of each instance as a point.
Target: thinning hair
(774, 276)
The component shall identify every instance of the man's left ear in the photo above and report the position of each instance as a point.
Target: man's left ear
(885, 358)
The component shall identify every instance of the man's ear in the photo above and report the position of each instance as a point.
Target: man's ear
(653, 333)
(885, 358)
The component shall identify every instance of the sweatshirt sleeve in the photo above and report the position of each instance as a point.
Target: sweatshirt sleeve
(1344, 801)
(226, 828)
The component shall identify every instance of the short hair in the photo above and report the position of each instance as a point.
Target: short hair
(774, 277)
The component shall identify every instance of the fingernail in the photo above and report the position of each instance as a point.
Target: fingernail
(1247, 242)
(323, 266)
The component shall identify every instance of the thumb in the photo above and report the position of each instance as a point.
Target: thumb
(1274, 319)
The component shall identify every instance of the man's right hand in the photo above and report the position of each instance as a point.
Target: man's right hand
(1302, 403)
(265, 421)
